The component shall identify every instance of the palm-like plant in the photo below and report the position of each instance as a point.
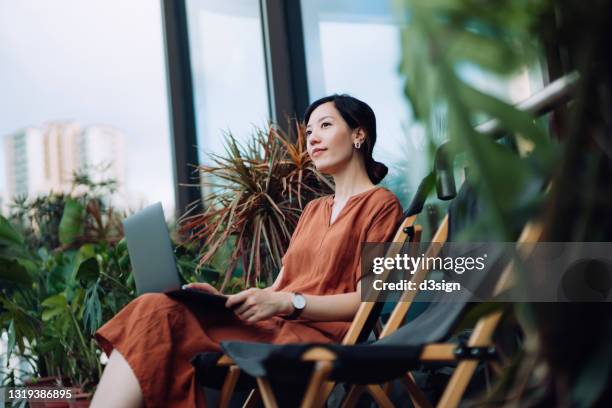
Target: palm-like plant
(259, 190)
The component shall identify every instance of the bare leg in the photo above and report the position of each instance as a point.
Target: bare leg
(118, 386)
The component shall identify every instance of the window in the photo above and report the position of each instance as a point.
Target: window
(82, 83)
(354, 47)
(228, 70)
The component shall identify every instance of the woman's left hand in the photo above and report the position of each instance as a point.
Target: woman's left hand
(253, 305)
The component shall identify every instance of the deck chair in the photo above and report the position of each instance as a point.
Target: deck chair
(392, 356)
(326, 359)
(218, 371)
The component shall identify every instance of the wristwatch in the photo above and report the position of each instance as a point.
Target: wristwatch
(299, 303)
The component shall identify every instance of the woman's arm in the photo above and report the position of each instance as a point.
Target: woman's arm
(253, 305)
(341, 307)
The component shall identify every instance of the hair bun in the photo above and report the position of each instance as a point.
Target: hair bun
(377, 171)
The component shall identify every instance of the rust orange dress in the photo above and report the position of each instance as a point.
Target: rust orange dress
(158, 335)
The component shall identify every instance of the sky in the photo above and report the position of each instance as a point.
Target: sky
(94, 62)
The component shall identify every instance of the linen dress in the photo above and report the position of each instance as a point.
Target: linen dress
(158, 335)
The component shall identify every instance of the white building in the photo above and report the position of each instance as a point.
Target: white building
(104, 147)
(42, 160)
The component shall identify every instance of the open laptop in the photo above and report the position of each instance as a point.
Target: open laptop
(153, 261)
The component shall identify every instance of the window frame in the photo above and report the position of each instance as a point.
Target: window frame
(285, 66)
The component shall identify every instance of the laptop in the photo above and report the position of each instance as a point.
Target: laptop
(153, 261)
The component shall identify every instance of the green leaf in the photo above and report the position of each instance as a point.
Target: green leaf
(77, 299)
(511, 118)
(49, 314)
(31, 266)
(88, 270)
(122, 245)
(21, 325)
(92, 315)
(55, 301)
(11, 338)
(71, 223)
(54, 305)
(13, 271)
(86, 251)
(8, 233)
(124, 261)
(489, 53)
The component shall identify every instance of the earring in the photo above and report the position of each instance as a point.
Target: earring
(357, 144)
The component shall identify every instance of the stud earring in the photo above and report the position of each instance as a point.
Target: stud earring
(357, 144)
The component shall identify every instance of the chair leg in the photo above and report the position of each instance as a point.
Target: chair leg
(266, 393)
(313, 397)
(252, 399)
(418, 398)
(387, 387)
(382, 400)
(457, 384)
(483, 332)
(228, 386)
(353, 396)
(326, 389)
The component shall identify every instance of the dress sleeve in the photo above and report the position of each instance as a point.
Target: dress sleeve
(385, 222)
(383, 227)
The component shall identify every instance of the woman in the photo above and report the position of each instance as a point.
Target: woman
(152, 340)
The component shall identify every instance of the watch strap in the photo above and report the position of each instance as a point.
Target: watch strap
(296, 311)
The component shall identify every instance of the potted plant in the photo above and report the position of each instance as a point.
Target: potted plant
(64, 271)
(59, 254)
(257, 193)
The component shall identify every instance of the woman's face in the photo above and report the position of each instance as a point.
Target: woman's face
(329, 139)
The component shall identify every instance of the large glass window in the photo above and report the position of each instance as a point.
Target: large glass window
(228, 69)
(83, 83)
(354, 47)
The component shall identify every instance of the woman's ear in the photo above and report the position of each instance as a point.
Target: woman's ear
(359, 136)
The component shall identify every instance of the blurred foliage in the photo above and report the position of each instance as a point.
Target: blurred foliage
(565, 359)
(441, 36)
(258, 192)
(64, 271)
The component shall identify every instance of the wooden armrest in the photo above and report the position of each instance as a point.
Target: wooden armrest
(225, 360)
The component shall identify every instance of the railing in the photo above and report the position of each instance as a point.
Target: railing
(546, 100)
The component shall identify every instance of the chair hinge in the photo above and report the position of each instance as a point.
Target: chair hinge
(463, 352)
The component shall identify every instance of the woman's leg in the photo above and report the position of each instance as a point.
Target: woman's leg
(118, 386)
(158, 336)
(152, 339)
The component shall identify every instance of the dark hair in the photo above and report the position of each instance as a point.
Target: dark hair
(356, 114)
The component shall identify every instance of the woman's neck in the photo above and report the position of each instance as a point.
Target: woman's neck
(353, 179)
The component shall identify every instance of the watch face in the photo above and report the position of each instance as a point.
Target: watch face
(299, 301)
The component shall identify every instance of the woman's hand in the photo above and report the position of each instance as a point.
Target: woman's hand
(253, 305)
(204, 287)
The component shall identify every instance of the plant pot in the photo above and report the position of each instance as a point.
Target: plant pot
(45, 382)
(79, 399)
